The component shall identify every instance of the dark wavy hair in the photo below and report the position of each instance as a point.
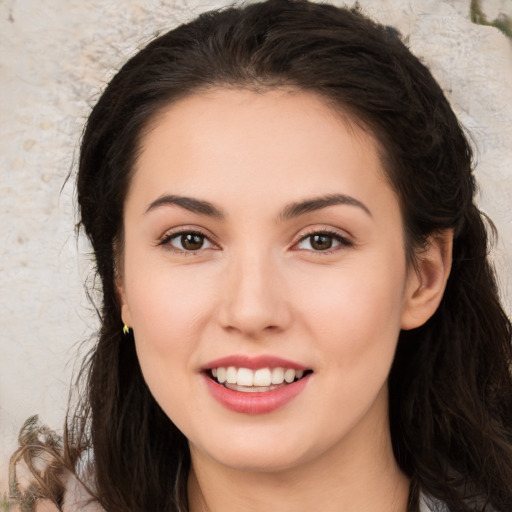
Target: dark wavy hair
(450, 386)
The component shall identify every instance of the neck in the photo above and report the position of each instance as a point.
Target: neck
(357, 475)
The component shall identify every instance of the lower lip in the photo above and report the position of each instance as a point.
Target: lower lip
(255, 403)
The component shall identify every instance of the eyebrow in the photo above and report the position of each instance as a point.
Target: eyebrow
(188, 203)
(291, 211)
(317, 203)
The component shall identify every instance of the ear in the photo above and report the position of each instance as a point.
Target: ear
(427, 279)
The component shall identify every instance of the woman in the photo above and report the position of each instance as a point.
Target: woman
(298, 310)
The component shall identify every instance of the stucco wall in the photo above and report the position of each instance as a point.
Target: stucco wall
(55, 57)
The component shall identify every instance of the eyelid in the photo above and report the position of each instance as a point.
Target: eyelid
(343, 239)
(170, 234)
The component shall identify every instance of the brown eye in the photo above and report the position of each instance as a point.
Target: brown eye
(192, 241)
(321, 242)
(189, 241)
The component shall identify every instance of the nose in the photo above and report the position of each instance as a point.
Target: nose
(254, 298)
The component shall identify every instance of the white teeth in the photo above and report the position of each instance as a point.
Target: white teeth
(277, 376)
(221, 375)
(250, 389)
(244, 377)
(231, 375)
(289, 375)
(260, 378)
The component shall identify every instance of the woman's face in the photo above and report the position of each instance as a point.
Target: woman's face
(262, 242)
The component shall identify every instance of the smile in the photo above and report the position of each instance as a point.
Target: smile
(255, 385)
(260, 380)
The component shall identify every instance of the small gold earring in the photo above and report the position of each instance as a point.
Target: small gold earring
(126, 330)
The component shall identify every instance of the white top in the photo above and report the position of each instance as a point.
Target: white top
(76, 498)
(428, 504)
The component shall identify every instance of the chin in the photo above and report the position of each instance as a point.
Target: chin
(255, 461)
(257, 451)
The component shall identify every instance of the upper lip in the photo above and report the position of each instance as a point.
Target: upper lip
(253, 362)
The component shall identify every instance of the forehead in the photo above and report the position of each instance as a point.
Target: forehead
(229, 142)
(222, 107)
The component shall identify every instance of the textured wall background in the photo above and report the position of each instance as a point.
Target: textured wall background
(55, 57)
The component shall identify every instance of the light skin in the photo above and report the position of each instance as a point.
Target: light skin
(262, 172)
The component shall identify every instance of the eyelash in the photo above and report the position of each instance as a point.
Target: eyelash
(168, 238)
(343, 241)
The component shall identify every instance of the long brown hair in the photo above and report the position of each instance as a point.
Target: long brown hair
(450, 384)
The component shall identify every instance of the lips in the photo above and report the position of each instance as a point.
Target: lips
(255, 385)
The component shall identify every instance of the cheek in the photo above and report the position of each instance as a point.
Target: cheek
(169, 308)
(168, 305)
(356, 328)
(356, 299)
(355, 313)
(165, 313)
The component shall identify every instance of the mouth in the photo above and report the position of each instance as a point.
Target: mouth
(258, 380)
